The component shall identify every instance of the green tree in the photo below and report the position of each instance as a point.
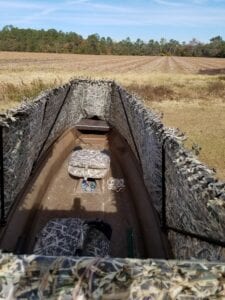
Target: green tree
(51, 40)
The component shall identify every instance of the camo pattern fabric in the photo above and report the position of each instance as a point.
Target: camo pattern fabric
(71, 237)
(87, 173)
(61, 237)
(89, 163)
(96, 244)
(38, 277)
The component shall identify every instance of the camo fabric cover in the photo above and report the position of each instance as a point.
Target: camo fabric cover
(37, 277)
(87, 173)
(96, 244)
(71, 237)
(89, 163)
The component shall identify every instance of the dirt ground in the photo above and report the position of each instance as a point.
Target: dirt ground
(19, 61)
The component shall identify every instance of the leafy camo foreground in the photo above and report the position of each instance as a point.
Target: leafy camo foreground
(39, 277)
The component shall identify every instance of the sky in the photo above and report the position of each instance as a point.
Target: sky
(144, 19)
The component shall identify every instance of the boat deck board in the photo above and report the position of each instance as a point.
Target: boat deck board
(95, 125)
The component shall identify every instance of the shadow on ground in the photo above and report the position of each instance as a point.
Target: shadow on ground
(212, 71)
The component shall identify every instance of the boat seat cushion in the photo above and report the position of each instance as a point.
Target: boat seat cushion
(71, 237)
(89, 163)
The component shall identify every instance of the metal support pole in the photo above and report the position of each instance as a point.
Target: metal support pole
(129, 126)
(164, 221)
(2, 214)
(51, 128)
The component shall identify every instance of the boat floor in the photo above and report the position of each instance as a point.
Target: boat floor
(62, 197)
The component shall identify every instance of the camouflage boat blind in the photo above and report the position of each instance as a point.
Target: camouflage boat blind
(194, 198)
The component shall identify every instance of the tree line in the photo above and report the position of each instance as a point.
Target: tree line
(16, 39)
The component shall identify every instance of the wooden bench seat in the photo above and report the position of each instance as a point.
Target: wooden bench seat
(92, 125)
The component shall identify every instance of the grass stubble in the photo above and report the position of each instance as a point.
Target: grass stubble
(191, 102)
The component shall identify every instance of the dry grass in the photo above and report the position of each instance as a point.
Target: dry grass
(203, 123)
(183, 89)
(12, 94)
(197, 108)
(180, 88)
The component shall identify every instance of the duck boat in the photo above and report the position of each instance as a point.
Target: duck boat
(95, 187)
(60, 189)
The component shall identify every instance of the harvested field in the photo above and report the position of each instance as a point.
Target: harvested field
(19, 61)
(188, 91)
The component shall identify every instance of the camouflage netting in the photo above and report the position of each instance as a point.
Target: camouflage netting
(71, 237)
(194, 199)
(36, 277)
(30, 129)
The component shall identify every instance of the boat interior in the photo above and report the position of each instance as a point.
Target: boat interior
(119, 198)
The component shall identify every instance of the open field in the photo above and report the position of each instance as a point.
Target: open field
(190, 92)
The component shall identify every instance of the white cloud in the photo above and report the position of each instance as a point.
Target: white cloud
(186, 3)
(82, 12)
(169, 3)
(19, 5)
